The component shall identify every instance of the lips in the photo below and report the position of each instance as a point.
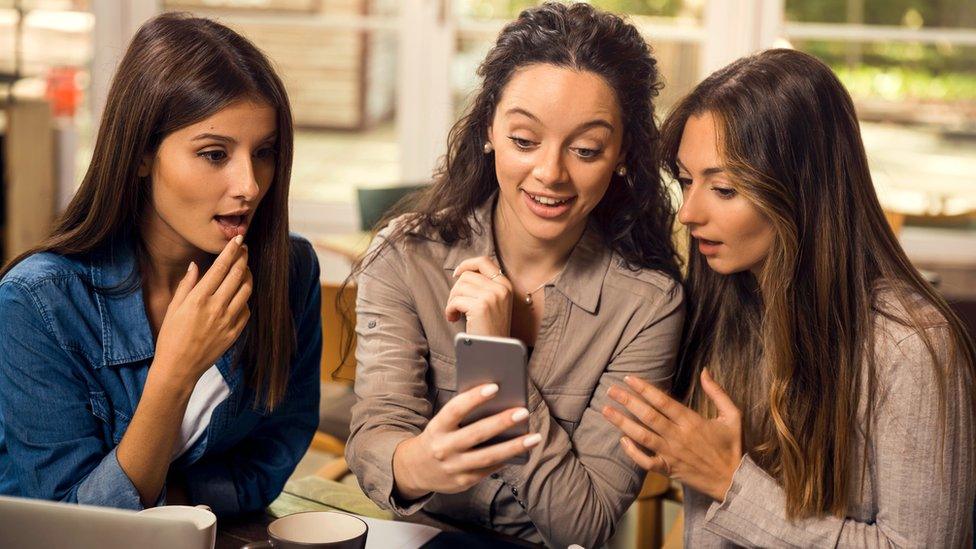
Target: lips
(547, 206)
(231, 225)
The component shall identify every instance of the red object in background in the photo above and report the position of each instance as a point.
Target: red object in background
(62, 90)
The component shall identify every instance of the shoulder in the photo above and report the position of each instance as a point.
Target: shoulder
(37, 269)
(403, 242)
(304, 265)
(303, 256)
(651, 285)
(46, 278)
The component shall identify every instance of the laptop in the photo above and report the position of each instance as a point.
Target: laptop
(30, 523)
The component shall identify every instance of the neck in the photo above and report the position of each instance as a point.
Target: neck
(168, 255)
(528, 260)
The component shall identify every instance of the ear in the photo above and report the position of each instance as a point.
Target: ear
(145, 165)
(491, 138)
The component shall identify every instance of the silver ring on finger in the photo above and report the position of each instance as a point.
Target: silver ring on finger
(496, 275)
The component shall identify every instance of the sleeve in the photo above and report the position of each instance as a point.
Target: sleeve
(575, 488)
(55, 446)
(249, 476)
(391, 387)
(922, 482)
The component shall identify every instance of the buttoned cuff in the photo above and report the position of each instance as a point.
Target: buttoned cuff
(212, 484)
(378, 481)
(108, 486)
(752, 495)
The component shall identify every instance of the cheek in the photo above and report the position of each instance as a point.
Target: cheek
(753, 233)
(512, 168)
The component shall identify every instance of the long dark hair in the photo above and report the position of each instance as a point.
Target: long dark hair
(179, 70)
(635, 216)
(795, 345)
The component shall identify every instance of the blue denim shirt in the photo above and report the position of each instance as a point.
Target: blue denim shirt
(73, 364)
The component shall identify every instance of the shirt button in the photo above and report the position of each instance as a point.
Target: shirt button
(371, 324)
(514, 491)
(494, 476)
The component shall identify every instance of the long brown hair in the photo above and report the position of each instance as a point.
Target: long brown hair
(794, 346)
(179, 70)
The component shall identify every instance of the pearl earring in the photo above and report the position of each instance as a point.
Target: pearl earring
(622, 170)
(488, 147)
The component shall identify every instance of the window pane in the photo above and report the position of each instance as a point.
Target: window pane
(909, 13)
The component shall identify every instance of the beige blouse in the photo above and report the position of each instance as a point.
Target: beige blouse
(918, 488)
(602, 321)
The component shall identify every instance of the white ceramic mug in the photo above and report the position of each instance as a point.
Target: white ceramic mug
(315, 530)
(200, 516)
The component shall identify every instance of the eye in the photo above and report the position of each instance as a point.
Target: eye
(266, 153)
(725, 192)
(685, 182)
(214, 156)
(521, 144)
(587, 154)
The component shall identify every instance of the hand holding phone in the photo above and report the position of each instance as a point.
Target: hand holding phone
(449, 456)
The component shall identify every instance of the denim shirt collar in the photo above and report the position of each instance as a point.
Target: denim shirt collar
(126, 336)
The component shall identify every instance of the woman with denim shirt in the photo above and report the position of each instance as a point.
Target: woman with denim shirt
(136, 366)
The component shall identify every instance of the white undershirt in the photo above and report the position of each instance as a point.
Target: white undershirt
(209, 391)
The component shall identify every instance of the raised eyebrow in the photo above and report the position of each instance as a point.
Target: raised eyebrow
(597, 123)
(214, 136)
(523, 112)
(706, 172)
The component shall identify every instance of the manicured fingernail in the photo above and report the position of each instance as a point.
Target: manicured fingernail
(189, 267)
(454, 274)
(520, 414)
(239, 239)
(489, 390)
(532, 440)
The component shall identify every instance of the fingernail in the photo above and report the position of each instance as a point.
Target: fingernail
(454, 274)
(189, 267)
(520, 414)
(532, 440)
(489, 390)
(244, 247)
(239, 239)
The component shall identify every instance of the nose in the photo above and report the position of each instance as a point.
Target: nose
(550, 169)
(245, 186)
(691, 212)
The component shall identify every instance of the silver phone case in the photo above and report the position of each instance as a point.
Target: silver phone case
(501, 360)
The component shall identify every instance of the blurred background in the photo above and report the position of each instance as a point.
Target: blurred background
(376, 84)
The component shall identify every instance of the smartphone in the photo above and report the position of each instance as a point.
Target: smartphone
(501, 360)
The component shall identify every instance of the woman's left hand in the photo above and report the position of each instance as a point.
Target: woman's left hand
(483, 294)
(701, 453)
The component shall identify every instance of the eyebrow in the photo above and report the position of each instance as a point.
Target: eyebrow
(706, 172)
(228, 139)
(597, 122)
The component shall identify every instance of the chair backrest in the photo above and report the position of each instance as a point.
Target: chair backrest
(334, 369)
(374, 202)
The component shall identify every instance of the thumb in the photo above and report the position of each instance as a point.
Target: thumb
(187, 284)
(723, 402)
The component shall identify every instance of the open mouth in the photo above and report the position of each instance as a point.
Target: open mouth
(547, 201)
(230, 221)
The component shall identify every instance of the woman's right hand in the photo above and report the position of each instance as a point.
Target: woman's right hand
(206, 315)
(443, 459)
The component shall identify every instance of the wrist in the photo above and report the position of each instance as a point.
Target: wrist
(172, 381)
(404, 485)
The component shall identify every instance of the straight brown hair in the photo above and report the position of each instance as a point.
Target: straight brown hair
(795, 345)
(179, 70)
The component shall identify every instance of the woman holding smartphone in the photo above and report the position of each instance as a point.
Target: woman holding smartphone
(162, 344)
(549, 223)
(829, 388)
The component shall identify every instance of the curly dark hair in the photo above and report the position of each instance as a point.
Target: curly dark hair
(635, 216)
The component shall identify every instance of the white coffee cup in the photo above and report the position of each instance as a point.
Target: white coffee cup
(200, 516)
